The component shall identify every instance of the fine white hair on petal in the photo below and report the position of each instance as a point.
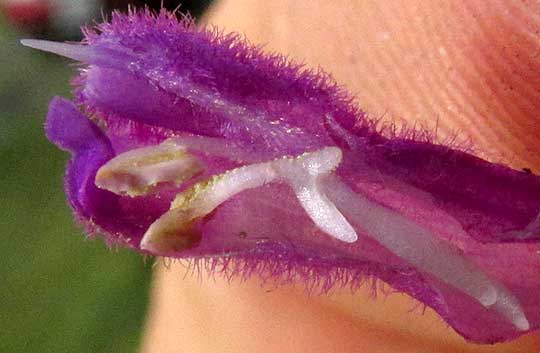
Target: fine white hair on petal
(352, 141)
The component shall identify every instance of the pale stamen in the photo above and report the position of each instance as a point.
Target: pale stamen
(310, 175)
(419, 247)
(303, 173)
(142, 170)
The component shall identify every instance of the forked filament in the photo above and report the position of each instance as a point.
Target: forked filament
(332, 206)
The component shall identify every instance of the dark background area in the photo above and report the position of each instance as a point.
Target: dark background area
(59, 292)
(194, 7)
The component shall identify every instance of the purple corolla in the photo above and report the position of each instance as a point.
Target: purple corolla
(191, 143)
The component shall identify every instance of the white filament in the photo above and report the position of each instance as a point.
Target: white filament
(303, 173)
(328, 202)
(510, 308)
(419, 247)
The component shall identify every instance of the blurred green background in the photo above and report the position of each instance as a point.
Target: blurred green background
(59, 292)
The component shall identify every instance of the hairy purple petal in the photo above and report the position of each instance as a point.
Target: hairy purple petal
(72, 131)
(123, 219)
(456, 232)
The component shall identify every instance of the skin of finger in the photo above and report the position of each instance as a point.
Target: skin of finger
(447, 66)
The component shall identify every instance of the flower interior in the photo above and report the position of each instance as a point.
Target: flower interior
(189, 143)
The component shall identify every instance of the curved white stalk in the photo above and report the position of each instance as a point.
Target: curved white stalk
(323, 196)
(419, 247)
(303, 173)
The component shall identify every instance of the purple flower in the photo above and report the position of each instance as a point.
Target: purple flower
(191, 143)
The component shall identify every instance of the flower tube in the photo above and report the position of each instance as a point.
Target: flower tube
(191, 143)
